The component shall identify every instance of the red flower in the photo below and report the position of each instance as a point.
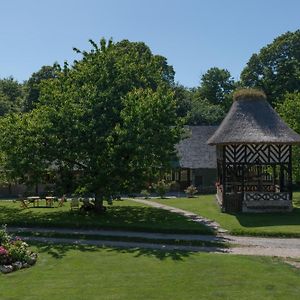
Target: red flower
(3, 251)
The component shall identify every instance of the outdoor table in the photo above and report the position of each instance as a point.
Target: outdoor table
(35, 200)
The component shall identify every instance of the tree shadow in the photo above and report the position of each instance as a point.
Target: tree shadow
(116, 217)
(59, 251)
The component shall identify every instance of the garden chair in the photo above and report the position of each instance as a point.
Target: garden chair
(23, 203)
(61, 201)
(74, 204)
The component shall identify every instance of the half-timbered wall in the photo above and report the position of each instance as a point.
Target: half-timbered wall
(254, 170)
(257, 154)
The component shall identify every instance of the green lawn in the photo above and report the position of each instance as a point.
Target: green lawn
(126, 215)
(70, 272)
(271, 224)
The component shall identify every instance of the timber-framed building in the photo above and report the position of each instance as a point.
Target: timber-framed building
(254, 157)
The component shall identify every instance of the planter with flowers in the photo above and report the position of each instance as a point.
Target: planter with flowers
(14, 253)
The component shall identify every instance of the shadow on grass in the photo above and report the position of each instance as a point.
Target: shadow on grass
(59, 251)
(269, 219)
(116, 217)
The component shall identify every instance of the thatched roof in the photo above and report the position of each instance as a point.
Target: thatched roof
(193, 152)
(252, 120)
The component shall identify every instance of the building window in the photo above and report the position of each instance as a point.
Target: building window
(168, 176)
(184, 175)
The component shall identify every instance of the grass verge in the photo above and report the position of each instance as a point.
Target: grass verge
(123, 215)
(252, 224)
(84, 272)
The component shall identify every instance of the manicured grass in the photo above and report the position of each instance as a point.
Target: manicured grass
(126, 215)
(69, 272)
(266, 224)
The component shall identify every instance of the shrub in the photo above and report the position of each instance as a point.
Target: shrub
(145, 194)
(4, 237)
(191, 191)
(162, 187)
(14, 253)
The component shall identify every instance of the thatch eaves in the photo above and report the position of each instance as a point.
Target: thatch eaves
(253, 121)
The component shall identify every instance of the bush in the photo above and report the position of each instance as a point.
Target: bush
(191, 191)
(162, 187)
(14, 253)
(145, 194)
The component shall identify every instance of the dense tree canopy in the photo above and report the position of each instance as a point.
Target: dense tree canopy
(216, 86)
(111, 116)
(276, 68)
(33, 85)
(289, 109)
(11, 96)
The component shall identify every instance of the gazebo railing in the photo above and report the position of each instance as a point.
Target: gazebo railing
(266, 196)
(266, 201)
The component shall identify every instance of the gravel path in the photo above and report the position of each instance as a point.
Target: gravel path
(282, 247)
(249, 245)
(123, 233)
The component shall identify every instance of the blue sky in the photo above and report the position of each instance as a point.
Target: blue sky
(193, 35)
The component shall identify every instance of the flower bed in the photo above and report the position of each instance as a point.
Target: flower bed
(14, 253)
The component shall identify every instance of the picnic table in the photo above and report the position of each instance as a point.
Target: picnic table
(35, 200)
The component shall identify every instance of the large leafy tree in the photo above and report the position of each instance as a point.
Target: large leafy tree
(111, 117)
(216, 86)
(276, 68)
(289, 109)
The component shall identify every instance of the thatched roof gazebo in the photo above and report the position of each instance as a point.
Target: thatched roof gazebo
(254, 149)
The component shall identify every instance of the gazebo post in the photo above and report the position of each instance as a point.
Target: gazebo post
(290, 175)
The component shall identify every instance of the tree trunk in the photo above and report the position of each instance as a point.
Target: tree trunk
(99, 197)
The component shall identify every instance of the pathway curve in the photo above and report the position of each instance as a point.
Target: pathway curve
(281, 247)
(190, 215)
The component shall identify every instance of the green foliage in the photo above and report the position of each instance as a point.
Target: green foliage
(216, 86)
(162, 187)
(11, 96)
(204, 113)
(111, 117)
(191, 191)
(276, 68)
(183, 98)
(4, 237)
(145, 193)
(33, 85)
(207, 104)
(22, 144)
(289, 110)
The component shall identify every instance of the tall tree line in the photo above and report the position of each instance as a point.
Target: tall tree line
(108, 113)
